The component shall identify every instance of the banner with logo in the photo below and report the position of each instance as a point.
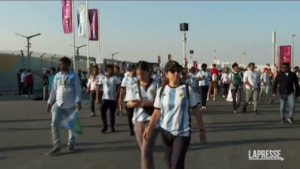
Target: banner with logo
(284, 54)
(82, 20)
(93, 21)
(67, 18)
(196, 65)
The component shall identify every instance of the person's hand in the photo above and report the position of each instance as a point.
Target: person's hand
(48, 108)
(202, 137)
(78, 106)
(274, 95)
(146, 132)
(97, 101)
(136, 103)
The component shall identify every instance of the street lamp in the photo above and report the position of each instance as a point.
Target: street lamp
(42, 59)
(293, 37)
(112, 55)
(52, 60)
(22, 54)
(28, 45)
(184, 27)
(77, 53)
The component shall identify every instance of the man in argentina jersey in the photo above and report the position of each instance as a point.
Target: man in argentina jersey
(193, 80)
(203, 76)
(110, 85)
(126, 84)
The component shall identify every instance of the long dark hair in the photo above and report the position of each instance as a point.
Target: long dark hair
(144, 66)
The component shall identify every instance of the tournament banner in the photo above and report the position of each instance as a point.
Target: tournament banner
(196, 65)
(82, 20)
(284, 54)
(93, 21)
(67, 18)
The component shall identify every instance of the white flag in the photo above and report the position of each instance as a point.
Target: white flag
(82, 20)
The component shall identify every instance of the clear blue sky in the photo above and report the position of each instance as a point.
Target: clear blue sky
(144, 30)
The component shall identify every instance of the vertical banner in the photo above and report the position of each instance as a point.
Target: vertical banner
(169, 57)
(284, 54)
(67, 18)
(93, 21)
(196, 65)
(158, 60)
(82, 20)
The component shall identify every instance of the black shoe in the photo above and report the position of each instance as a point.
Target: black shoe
(54, 150)
(70, 148)
(104, 129)
(290, 120)
(113, 129)
(283, 120)
(132, 133)
(256, 111)
(244, 109)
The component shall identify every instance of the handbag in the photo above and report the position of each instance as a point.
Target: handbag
(148, 109)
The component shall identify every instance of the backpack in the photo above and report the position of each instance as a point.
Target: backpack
(236, 79)
(186, 87)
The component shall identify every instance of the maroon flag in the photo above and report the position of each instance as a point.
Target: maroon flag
(93, 21)
(67, 18)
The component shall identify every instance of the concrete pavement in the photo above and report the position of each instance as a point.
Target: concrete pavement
(25, 137)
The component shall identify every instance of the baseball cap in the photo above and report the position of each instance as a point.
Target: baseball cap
(171, 64)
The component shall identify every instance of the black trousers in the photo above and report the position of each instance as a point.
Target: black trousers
(175, 149)
(225, 88)
(203, 93)
(129, 116)
(20, 86)
(93, 98)
(29, 89)
(110, 105)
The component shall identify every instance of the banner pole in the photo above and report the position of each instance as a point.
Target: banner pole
(87, 38)
(73, 23)
(99, 37)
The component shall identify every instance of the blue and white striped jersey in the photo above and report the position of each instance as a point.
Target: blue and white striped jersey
(139, 114)
(109, 86)
(66, 90)
(127, 82)
(192, 81)
(204, 82)
(174, 105)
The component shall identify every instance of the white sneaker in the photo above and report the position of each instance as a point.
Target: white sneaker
(203, 108)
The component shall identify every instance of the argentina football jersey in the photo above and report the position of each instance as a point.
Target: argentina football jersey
(109, 86)
(149, 94)
(193, 82)
(174, 104)
(127, 83)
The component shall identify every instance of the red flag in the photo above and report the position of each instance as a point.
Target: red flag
(93, 20)
(67, 19)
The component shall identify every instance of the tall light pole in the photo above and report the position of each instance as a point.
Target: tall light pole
(76, 68)
(112, 55)
(42, 59)
(22, 54)
(184, 27)
(28, 45)
(274, 47)
(293, 38)
(52, 57)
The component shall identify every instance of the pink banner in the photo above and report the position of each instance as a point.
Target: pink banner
(67, 18)
(196, 64)
(93, 20)
(284, 54)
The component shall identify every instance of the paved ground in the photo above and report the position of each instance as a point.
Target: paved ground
(25, 137)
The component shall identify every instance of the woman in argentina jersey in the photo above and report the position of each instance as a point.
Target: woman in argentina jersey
(145, 88)
(172, 107)
(126, 84)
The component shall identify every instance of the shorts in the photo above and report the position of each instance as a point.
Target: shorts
(265, 89)
(213, 85)
(45, 88)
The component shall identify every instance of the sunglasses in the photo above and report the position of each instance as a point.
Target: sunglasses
(283, 67)
(175, 70)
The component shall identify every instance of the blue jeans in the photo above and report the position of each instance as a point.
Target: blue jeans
(57, 114)
(283, 99)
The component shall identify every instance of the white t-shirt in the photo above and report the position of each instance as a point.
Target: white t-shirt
(23, 75)
(252, 77)
(93, 81)
(225, 78)
(265, 79)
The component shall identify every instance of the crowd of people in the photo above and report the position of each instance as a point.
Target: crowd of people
(163, 101)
